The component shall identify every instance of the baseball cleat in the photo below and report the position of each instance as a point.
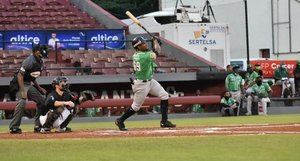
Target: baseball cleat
(120, 125)
(36, 129)
(15, 131)
(167, 123)
(62, 130)
(45, 130)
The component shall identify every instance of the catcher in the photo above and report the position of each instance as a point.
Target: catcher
(61, 105)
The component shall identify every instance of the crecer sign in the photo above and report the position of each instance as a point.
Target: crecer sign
(269, 66)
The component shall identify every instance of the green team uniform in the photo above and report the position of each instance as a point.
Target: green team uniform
(143, 65)
(228, 102)
(261, 91)
(233, 82)
(251, 77)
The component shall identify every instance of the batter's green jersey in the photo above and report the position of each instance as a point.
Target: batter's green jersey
(143, 65)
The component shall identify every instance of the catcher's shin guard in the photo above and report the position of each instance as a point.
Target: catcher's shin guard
(164, 110)
(51, 117)
(66, 122)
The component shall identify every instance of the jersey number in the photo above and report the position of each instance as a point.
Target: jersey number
(136, 66)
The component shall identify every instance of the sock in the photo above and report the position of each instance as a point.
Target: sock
(129, 112)
(164, 110)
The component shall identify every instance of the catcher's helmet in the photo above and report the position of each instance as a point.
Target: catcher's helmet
(60, 79)
(138, 41)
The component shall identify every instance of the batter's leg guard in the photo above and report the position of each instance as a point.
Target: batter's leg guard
(164, 110)
(129, 112)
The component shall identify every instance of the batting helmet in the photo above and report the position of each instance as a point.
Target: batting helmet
(138, 41)
(58, 80)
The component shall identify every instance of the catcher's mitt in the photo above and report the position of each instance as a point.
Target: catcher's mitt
(86, 95)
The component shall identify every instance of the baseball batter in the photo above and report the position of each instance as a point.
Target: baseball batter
(144, 83)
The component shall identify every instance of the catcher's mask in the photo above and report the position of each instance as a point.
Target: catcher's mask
(43, 50)
(62, 82)
(138, 41)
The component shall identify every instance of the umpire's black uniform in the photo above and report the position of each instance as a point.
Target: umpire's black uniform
(31, 68)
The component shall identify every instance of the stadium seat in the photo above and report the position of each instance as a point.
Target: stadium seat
(9, 55)
(109, 71)
(105, 54)
(18, 61)
(8, 73)
(125, 64)
(7, 61)
(112, 65)
(101, 60)
(118, 54)
(90, 55)
(67, 72)
(16, 2)
(14, 66)
(53, 72)
(12, 8)
(124, 71)
(181, 70)
(29, 2)
(2, 8)
(97, 67)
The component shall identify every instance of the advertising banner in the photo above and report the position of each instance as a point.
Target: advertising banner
(269, 66)
(105, 39)
(22, 40)
(71, 40)
(66, 39)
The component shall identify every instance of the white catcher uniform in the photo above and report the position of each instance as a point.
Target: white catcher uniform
(64, 115)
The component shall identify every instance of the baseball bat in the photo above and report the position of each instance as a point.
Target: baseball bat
(136, 21)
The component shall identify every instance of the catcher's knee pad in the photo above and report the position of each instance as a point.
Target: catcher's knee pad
(51, 117)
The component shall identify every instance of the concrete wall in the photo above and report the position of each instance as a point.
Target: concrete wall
(260, 25)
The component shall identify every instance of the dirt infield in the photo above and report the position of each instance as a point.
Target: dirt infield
(150, 132)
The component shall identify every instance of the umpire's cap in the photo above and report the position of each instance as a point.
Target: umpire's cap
(138, 41)
(44, 50)
(58, 80)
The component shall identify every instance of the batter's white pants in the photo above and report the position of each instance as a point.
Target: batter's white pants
(142, 89)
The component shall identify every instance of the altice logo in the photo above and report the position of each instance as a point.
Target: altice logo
(104, 37)
(25, 38)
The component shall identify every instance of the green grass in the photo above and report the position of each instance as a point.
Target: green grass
(206, 148)
(212, 148)
(211, 121)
